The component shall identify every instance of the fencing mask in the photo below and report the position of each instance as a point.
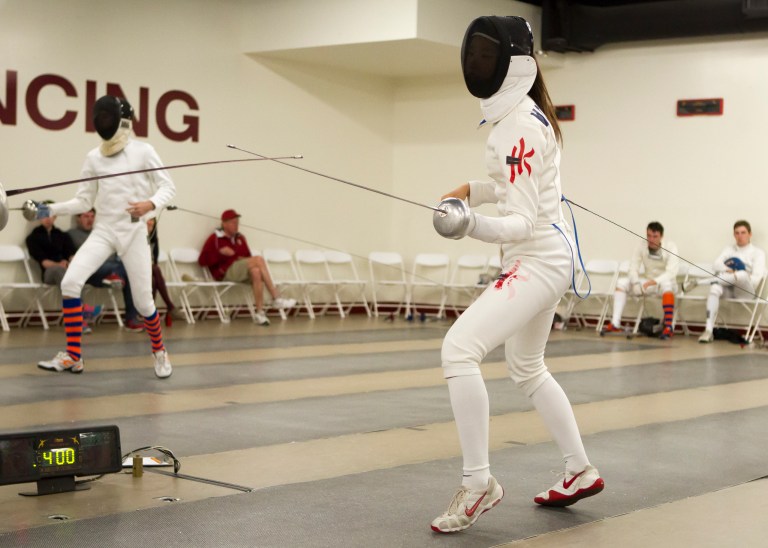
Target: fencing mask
(488, 45)
(108, 114)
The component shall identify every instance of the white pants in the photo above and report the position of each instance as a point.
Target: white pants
(658, 289)
(516, 310)
(136, 258)
(719, 287)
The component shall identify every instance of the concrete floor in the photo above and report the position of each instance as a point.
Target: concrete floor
(339, 433)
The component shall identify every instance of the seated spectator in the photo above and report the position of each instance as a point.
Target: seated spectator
(53, 248)
(111, 273)
(740, 265)
(659, 278)
(158, 280)
(227, 256)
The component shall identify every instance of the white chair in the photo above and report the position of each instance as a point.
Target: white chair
(319, 286)
(177, 286)
(428, 280)
(693, 303)
(350, 289)
(601, 276)
(467, 281)
(285, 276)
(742, 309)
(17, 277)
(388, 282)
(196, 283)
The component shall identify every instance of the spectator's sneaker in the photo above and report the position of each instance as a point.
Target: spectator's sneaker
(283, 303)
(261, 318)
(163, 367)
(706, 337)
(610, 328)
(114, 281)
(91, 312)
(468, 505)
(666, 334)
(62, 362)
(134, 325)
(572, 489)
(87, 329)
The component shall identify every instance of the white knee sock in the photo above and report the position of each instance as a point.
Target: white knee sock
(619, 301)
(469, 399)
(713, 305)
(556, 411)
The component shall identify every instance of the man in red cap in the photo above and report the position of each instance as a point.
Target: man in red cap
(227, 256)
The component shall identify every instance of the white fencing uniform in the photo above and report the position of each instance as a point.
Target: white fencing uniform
(536, 257)
(660, 266)
(113, 231)
(748, 279)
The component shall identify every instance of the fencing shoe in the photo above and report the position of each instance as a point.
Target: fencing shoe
(572, 488)
(666, 334)
(62, 362)
(163, 367)
(284, 303)
(610, 328)
(467, 505)
(706, 337)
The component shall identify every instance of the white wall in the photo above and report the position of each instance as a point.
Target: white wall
(626, 156)
(340, 122)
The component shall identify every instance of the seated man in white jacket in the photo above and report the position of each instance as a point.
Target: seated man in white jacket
(740, 266)
(660, 277)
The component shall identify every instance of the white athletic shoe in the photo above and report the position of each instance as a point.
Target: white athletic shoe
(284, 303)
(261, 318)
(62, 362)
(706, 337)
(163, 367)
(467, 505)
(572, 489)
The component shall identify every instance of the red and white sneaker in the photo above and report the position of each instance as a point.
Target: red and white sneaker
(610, 328)
(572, 489)
(468, 505)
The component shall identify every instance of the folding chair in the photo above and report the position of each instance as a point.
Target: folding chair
(17, 277)
(163, 262)
(387, 272)
(197, 281)
(603, 274)
(286, 278)
(342, 270)
(735, 310)
(694, 302)
(319, 286)
(467, 281)
(429, 278)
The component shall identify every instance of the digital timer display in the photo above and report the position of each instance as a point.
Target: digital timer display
(37, 456)
(57, 454)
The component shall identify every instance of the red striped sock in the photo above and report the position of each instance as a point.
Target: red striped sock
(72, 310)
(668, 304)
(152, 326)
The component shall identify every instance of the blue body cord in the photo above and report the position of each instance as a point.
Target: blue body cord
(578, 252)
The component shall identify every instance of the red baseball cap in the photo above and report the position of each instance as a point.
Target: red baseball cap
(229, 214)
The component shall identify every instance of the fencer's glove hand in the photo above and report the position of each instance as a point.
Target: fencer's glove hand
(637, 289)
(32, 210)
(454, 220)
